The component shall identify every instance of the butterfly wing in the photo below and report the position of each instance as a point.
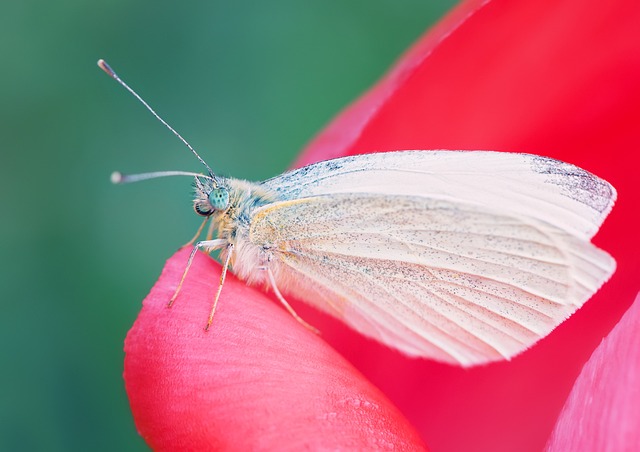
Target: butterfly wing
(460, 256)
(533, 186)
(452, 281)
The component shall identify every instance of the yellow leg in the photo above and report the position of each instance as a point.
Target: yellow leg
(208, 245)
(223, 275)
(287, 306)
(210, 231)
(195, 237)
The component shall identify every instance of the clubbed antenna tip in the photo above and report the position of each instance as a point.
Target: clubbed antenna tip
(102, 64)
(116, 176)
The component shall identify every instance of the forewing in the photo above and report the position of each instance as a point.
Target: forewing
(533, 186)
(439, 279)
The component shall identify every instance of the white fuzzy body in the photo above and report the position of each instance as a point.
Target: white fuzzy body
(463, 257)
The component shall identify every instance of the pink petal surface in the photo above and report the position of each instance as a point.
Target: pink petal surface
(557, 78)
(603, 410)
(256, 381)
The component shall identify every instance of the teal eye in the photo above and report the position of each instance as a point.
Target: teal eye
(219, 198)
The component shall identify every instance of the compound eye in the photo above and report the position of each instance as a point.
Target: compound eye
(219, 198)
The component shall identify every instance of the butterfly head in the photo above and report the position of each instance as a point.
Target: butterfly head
(211, 196)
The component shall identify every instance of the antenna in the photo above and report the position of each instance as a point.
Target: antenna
(118, 178)
(111, 73)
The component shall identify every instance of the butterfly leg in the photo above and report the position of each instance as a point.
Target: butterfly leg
(208, 245)
(284, 302)
(195, 237)
(223, 275)
(210, 230)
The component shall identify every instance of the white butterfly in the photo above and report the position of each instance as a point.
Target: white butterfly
(465, 257)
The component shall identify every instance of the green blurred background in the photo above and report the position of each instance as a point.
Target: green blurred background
(248, 83)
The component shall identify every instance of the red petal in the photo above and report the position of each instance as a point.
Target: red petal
(558, 78)
(603, 410)
(256, 381)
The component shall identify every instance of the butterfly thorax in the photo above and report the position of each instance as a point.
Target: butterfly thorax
(233, 223)
(244, 198)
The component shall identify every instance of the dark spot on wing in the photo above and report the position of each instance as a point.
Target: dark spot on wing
(575, 182)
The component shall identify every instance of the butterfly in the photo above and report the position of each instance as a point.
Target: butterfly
(464, 257)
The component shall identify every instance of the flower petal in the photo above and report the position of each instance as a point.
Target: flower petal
(603, 410)
(256, 381)
(548, 77)
(557, 78)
